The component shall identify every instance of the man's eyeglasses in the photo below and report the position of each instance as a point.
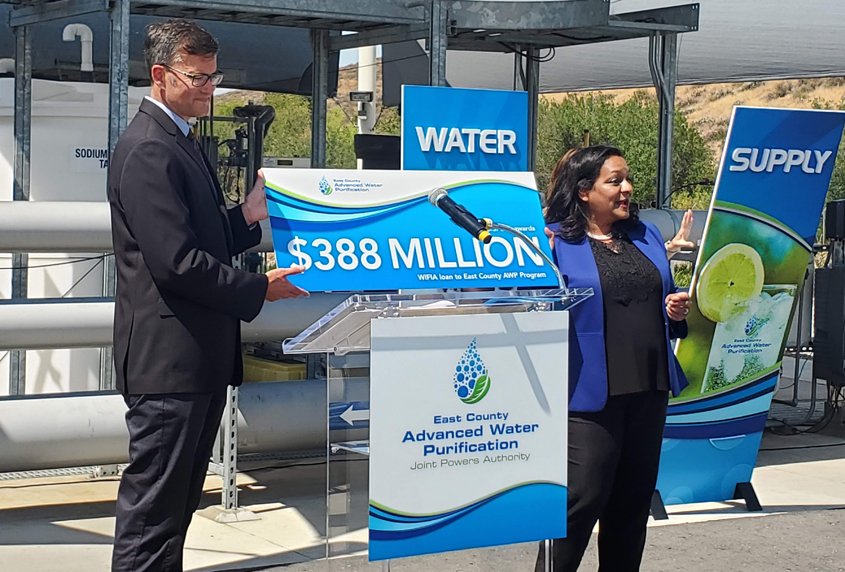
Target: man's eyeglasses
(199, 79)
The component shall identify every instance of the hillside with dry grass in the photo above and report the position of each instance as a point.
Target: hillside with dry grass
(708, 107)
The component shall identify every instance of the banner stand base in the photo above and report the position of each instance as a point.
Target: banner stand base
(658, 509)
(745, 491)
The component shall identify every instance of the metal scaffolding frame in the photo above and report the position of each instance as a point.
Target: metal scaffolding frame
(521, 28)
(23, 141)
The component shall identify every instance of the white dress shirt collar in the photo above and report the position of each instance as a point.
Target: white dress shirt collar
(183, 125)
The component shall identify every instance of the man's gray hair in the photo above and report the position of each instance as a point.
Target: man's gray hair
(166, 42)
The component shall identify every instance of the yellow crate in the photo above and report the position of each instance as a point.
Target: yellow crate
(258, 369)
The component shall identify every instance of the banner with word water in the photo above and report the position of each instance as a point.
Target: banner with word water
(468, 431)
(774, 175)
(377, 230)
(459, 129)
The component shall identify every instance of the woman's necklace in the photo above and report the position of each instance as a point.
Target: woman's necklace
(599, 236)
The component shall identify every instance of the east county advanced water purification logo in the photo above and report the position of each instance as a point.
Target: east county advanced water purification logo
(325, 187)
(471, 381)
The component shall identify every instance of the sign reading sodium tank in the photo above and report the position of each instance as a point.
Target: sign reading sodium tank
(377, 230)
(454, 129)
(88, 159)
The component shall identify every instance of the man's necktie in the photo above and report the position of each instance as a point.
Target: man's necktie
(193, 139)
(221, 203)
(197, 150)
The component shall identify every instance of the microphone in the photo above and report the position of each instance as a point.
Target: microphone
(477, 227)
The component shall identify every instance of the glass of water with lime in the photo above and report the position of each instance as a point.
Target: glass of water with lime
(751, 317)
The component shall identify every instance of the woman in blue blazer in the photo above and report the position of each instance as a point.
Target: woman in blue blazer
(621, 364)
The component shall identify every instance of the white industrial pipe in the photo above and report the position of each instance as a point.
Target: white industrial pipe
(79, 226)
(367, 74)
(88, 429)
(46, 433)
(86, 40)
(85, 226)
(63, 323)
(54, 226)
(71, 323)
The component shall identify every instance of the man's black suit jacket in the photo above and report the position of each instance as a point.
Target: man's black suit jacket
(179, 302)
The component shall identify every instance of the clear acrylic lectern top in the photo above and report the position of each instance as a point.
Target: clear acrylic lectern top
(345, 328)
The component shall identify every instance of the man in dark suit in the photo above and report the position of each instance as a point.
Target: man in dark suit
(179, 301)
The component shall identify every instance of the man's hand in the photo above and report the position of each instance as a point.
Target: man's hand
(681, 240)
(255, 205)
(677, 306)
(279, 286)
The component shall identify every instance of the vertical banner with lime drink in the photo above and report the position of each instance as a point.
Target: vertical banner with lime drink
(772, 182)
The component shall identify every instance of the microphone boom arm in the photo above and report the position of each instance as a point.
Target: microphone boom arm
(520, 235)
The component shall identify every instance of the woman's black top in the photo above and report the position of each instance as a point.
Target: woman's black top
(635, 338)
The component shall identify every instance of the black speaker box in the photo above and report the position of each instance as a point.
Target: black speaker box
(834, 220)
(829, 318)
(378, 151)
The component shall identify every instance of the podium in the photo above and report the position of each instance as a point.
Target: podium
(436, 443)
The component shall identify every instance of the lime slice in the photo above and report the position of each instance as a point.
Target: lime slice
(732, 277)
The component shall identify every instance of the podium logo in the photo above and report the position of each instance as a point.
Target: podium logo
(325, 187)
(471, 381)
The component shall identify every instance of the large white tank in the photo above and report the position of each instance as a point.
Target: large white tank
(68, 163)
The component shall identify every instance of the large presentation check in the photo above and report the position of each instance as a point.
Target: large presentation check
(377, 230)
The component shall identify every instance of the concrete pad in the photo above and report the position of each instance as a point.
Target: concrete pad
(66, 523)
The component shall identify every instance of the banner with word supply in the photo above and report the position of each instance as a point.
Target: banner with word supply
(468, 431)
(377, 230)
(457, 129)
(773, 178)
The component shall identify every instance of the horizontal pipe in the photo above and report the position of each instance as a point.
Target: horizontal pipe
(82, 226)
(78, 430)
(85, 227)
(71, 323)
(45, 433)
(54, 227)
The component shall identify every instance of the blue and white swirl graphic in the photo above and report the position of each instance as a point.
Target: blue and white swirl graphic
(741, 410)
(721, 432)
(524, 508)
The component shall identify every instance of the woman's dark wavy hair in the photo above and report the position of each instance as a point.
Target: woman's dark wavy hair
(576, 171)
